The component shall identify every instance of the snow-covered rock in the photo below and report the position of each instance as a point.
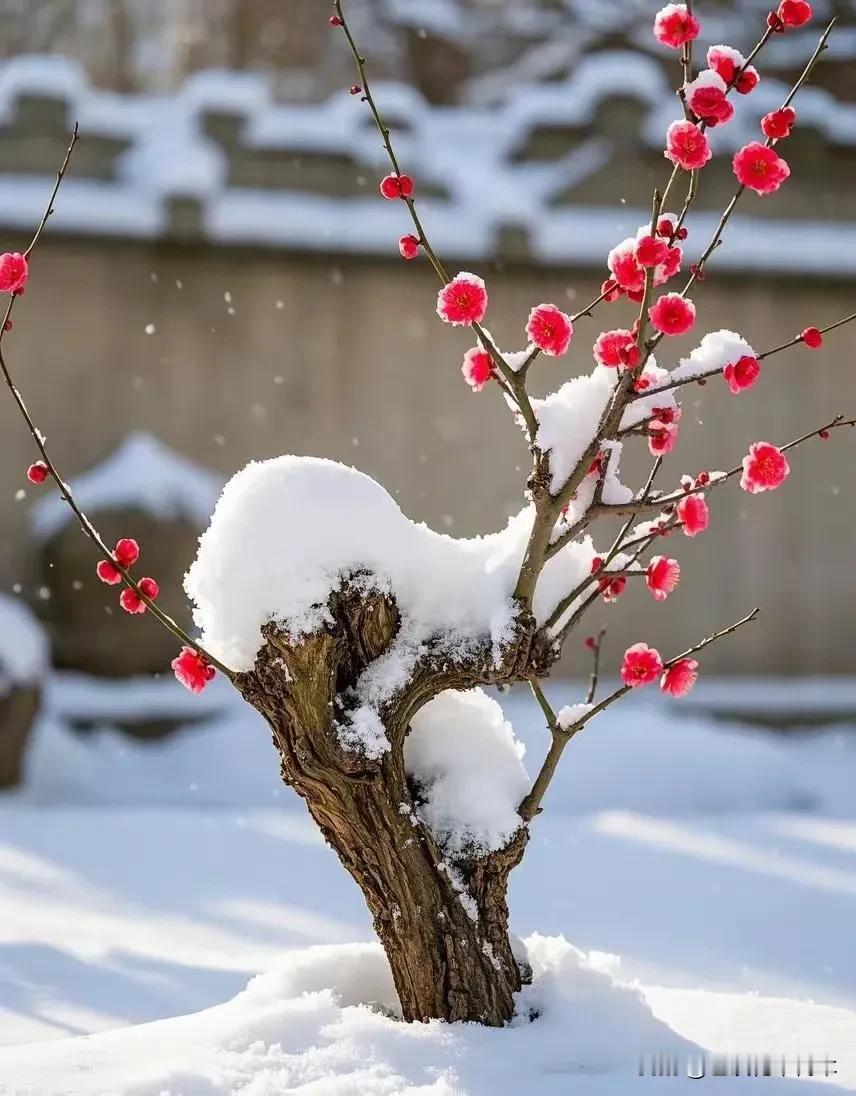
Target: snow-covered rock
(142, 474)
(23, 645)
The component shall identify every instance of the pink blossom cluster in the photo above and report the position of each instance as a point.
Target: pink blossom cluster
(649, 259)
(629, 260)
(642, 665)
(756, 165)
(112, 571)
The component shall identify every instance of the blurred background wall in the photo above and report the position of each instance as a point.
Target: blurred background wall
(221, 274)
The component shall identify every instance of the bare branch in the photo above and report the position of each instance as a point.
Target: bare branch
(513, 380)
(698, 268)
(595, 668)
(84, 522)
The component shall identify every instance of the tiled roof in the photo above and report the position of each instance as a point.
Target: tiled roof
(541, 175)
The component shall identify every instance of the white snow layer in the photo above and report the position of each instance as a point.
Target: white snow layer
(467, 764)
(286, 530)
(716, 350)
(142, 474)
(23, 645)
(324, 1021)
(571, 713)
(568, 419)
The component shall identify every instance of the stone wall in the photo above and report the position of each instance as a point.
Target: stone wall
(347, 360)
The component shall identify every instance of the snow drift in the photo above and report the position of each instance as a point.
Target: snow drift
(324, 1022)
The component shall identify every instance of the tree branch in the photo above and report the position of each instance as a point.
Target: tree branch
(664, 501)
(618, 693)
(669, 385)
(512, 379)
(38, 437)
(595, 668)
(698, 268)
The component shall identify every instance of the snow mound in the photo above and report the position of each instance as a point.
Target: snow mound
(23, 645)
(467, 764)
(286, 531)
(305, 1028)
(142, 474)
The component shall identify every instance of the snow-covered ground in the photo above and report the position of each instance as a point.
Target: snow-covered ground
(146, 881)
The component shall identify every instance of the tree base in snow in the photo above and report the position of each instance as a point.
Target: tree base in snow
(304, 1027)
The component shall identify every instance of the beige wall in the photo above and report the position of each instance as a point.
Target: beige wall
(355, 366)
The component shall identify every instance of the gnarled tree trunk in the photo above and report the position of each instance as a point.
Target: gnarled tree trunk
(444, 926)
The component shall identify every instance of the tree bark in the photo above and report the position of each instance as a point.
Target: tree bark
(444, 926)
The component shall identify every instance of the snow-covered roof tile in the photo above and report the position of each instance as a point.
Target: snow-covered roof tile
(473, 164)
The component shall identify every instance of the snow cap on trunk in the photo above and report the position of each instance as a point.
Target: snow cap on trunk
(466, 763)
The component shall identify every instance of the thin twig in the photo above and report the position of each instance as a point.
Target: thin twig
(512, 379)
(84, 522)
(607, 701)
(697, 272)
(559, 738)
(682, 381)
(798, 339)
(595, 667)
(664, 501)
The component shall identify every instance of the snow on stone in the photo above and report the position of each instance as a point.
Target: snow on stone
(466, 763)
(142, 474)
(716, 350)
(24, 651)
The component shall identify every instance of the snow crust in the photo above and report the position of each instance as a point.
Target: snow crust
(24, 653)
(286, 531)
(142, 474)
(716, 350)
(467, 765)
